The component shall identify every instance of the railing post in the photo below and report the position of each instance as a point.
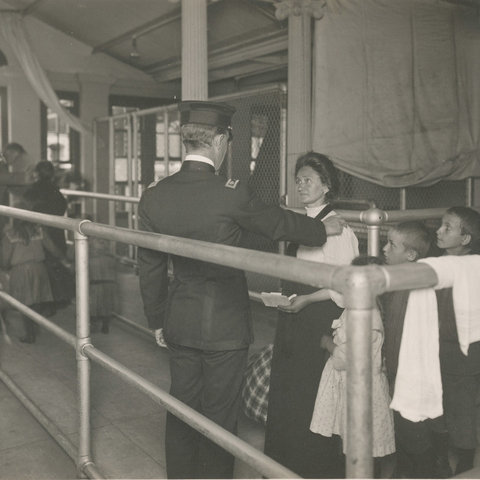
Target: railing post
(84, 455)
(95, 167)
(283, 156)
(131, 164)
(360, 301)
(469, 192)
(403, 199)
(373, 218)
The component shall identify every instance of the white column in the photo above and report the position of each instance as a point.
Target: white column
(299, 105)
(194, 50)
(94, 93)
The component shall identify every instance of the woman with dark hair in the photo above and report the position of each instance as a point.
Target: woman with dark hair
(298, 359)
(44, 197)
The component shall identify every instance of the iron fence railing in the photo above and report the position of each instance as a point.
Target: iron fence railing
(359, 285)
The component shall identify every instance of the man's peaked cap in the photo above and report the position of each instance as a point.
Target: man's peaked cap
(206, 113)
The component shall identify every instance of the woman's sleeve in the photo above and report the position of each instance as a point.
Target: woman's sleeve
(274, 222)
(340, 250)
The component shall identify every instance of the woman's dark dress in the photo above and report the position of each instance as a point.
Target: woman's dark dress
(45, 197)
(297, 367)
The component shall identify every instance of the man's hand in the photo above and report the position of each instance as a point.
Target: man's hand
(159, 338)
(334, 225)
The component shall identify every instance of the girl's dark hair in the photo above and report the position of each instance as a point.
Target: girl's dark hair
(45, 170)
(24, 228)
(325, 169)
(469, 225)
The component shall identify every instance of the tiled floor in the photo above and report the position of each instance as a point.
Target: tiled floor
(127, 426)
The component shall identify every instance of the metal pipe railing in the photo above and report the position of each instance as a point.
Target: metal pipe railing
(373, 218)
(85, 350)
(360, 285)
(104, 196)
(134, 325)
(211, 430)
(49, 426)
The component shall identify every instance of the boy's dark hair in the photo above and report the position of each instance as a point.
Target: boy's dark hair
(417, 236)
(363, 260)
(469, 225)
(325, 169)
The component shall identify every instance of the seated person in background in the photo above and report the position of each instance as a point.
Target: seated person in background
(422, 447)
(45, 197)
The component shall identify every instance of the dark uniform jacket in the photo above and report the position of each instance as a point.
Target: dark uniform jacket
(207, 306)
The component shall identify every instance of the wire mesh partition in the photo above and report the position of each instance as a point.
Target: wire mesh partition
(144, 146)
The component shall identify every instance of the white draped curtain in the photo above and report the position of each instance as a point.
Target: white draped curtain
(397, 90)
(13, 29)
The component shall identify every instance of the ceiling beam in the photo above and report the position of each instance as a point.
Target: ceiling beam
(271, 59)
(241, 71)
(171, 70)
(28, 9)
(261, 9)
(140, 30)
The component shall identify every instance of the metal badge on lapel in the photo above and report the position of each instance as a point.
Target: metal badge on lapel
(232, 183)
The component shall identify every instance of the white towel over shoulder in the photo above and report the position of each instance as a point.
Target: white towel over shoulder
(418, 385)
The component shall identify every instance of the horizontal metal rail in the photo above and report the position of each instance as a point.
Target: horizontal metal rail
(230, 442)
(301, 271)
(100, 196)
(134, 325)
(49, 426)
(359, 285)
(174, 106)
(263, 464)
(90, 468)
(42, 321)
(227, 440)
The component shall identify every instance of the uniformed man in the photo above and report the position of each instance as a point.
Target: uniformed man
(205, 311)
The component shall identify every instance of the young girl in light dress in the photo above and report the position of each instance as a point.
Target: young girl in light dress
(330, 412)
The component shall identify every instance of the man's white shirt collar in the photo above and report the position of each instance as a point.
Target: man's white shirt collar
(200, 158)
